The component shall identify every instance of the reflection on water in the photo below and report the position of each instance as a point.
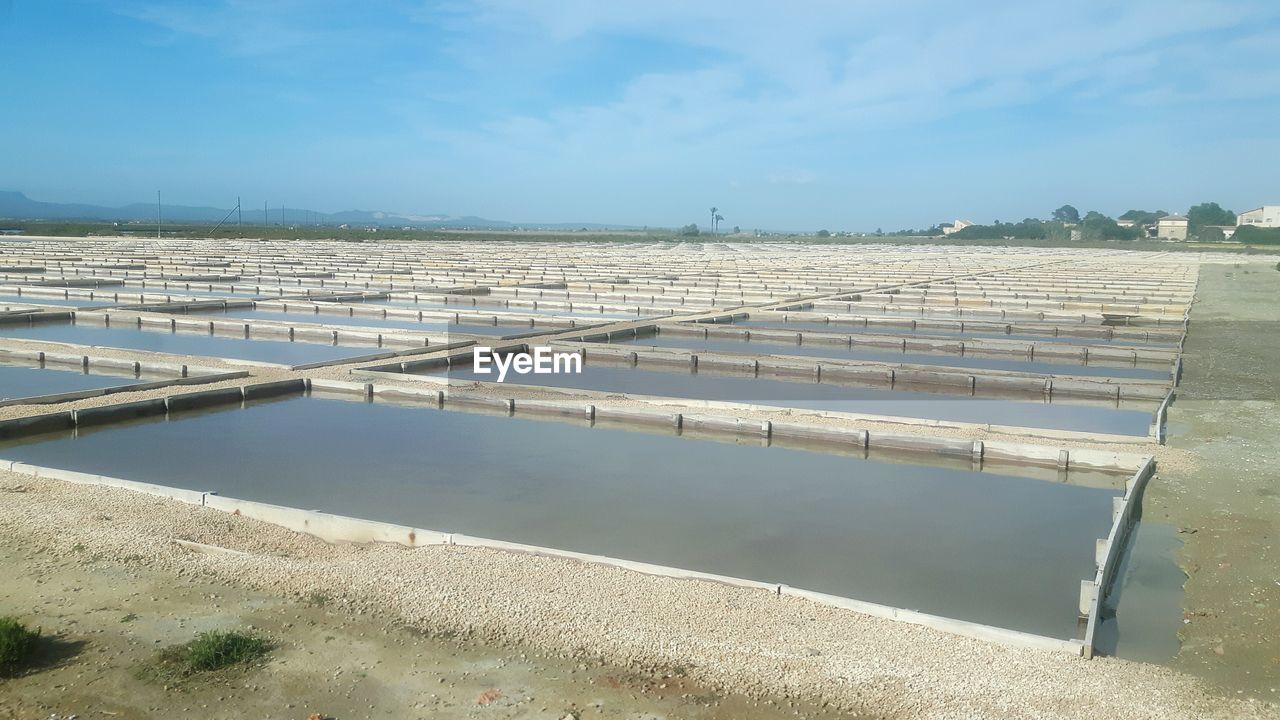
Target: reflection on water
(1143, 613)
(18, 381)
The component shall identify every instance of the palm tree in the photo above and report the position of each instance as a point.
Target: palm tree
(719, 219)
(714, 210)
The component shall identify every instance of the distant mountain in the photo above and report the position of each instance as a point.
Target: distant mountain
(17, 206)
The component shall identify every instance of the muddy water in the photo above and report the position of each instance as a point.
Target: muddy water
(156, 340)
(1048, 367)
(18, 381)
(1009, 551)
(1128, 420)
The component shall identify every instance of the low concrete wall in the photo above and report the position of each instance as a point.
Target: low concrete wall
(994, 452)
(1093, 593)
(105, 414)
(183, 374)
(1120, 355)
(599, 396)
(989, 383)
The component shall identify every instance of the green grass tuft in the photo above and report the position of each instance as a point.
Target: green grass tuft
(17, 643)
(216, 650)
(208, 652)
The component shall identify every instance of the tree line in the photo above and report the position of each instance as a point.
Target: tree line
(1204, 223)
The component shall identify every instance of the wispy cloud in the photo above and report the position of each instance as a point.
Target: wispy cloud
(783, 108)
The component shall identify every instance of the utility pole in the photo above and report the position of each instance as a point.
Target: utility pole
(239, 219)
(265, 220)
(158, 219)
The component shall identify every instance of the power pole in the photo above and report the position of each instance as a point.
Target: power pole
(239, 219)
(265, 220)
(158, 219)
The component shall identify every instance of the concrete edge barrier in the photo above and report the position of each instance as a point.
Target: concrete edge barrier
(1072, 329)
(204, 398)
(963, 628)
(994, 451)
(1093, 593)
(966, 380)
(35, 424)
(667, 401)
(85, 417)
(326, 526)
(36, 318)
(1123, 355)
(249, 328)
(191, 497)
(273, 389)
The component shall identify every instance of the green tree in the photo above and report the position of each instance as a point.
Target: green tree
(1254, 235)
(1067, 214)
(1097, 226)
(690, 230)
(1143, 217)
(1209, 214)
(824, 233)
(1210, 234)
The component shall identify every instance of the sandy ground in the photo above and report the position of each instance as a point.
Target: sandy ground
(768, 647)
(1228, 509)
(107, 618)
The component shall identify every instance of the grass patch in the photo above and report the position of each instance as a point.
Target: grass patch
(17, 643)
(209, 652)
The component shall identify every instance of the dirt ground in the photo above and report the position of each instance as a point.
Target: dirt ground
(1228, 509)
(106, 619)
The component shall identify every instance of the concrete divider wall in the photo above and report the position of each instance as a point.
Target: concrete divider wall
(997, 452)
(967, 381)
(443, 381)
(1093, 593)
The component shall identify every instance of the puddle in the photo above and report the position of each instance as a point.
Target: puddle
(997, 549)
(1129, 419)
(1143, 613)
(182, 343)
(827, 350)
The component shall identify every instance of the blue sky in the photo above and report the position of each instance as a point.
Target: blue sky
(838, 114)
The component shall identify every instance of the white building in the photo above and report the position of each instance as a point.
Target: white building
(1266, 216)
(1172, 227)
(957, 225)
